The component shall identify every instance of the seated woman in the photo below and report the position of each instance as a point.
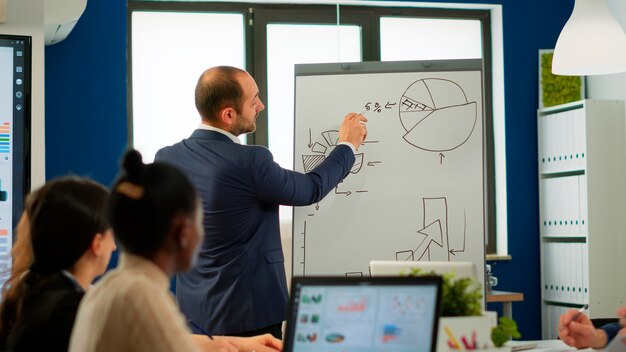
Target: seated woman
(65, 228)
(157, 217)
(22, 258)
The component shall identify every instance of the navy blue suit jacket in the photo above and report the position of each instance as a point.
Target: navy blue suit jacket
(239, 283)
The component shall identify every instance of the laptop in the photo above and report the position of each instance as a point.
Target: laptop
(369, 314)
(389, 268)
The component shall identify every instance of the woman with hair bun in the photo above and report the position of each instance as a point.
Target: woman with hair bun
(157, 218)
(65, 242)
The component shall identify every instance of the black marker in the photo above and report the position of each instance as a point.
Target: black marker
(199, 328)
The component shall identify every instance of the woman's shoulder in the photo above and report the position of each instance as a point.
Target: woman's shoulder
(53, 291)
(49, 314)
(131, 284)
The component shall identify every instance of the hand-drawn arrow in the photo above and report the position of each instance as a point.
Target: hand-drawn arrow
(431, 233)
(455, 251)
(338, 192)
(310, 142)
(303, 262)
(373, 163)
(441, 156)
(389, 105)
(317, 206)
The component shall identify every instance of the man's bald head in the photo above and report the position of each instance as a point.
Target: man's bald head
(218, 88)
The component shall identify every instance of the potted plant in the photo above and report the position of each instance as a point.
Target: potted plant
(463, 324)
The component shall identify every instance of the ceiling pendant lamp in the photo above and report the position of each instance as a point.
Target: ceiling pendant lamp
(591, 43)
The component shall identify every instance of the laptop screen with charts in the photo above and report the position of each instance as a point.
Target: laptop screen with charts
(393, 314)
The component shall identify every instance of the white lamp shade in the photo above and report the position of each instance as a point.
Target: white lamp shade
(591, 43)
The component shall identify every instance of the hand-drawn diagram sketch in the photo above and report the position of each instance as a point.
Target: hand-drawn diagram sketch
(331, 137)
(434, 231)
(436, 115)
(404, 199)
(433, 235)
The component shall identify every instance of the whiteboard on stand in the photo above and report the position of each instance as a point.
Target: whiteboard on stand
(417, 191)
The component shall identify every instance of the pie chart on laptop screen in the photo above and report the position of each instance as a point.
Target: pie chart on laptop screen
(436, 115)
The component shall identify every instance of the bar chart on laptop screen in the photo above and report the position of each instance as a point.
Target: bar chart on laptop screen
(14, 117)
(394, 318)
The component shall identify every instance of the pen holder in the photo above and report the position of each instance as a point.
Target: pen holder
(466, 333)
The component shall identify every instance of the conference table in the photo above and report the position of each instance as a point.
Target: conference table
(545, 346)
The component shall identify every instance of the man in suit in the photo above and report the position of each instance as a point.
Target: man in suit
(238, 286)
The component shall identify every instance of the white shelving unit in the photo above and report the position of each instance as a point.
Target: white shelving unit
(582, 210)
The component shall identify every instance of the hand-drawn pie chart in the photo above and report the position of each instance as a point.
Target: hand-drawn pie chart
(311, 161)
(436, 115)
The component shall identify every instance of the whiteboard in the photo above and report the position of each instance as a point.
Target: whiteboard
(417, 189)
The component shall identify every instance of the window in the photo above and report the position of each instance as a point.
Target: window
(177, 53)
(307, 44)
(429, 39)
(268, 39)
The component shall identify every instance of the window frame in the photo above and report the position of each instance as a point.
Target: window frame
(258, 15)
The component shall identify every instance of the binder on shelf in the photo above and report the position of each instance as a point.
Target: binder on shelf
(559, 206)
(551, 259)
(562, 141)
(541, 137)
(559, 146)
(567, 272)
(585, 247)
(556, 267)
(558, 278)
(583, 211)
(571, 141)
(579, 273)
(581, 140)
(548, 141)
(571, 272)
(548, 272)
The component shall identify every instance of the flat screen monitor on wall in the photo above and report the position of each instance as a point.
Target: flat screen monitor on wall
(15, 114)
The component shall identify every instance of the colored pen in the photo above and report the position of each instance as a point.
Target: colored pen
(200, 328)
(453, 339)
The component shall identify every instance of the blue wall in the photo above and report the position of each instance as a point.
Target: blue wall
(86, 125)
(85, 90)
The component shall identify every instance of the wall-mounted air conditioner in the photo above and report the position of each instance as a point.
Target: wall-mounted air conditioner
(60, 16)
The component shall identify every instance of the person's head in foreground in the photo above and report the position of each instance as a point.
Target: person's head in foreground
(67, 242)
(157, 217)
(156, 214)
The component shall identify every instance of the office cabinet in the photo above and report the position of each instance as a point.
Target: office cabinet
(582, 196)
